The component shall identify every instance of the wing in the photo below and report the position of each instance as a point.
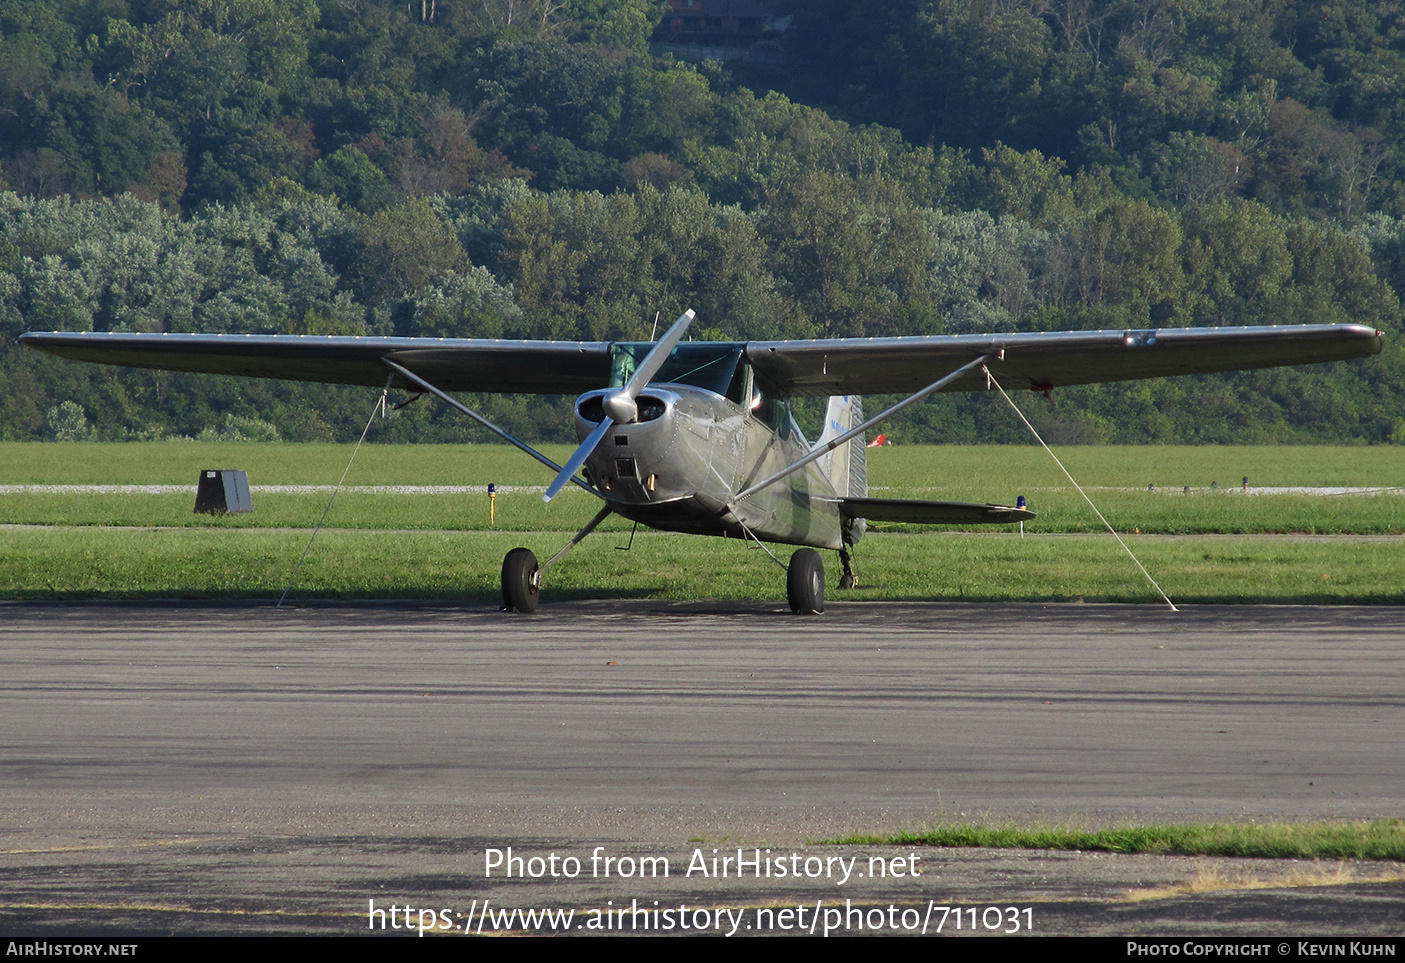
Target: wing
(914, 511)
(1047, 360)
(540, 367)
(826, 367)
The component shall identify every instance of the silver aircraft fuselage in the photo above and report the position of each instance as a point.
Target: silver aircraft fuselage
(679, 467)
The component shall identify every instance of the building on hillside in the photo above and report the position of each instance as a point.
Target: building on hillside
(720, 29)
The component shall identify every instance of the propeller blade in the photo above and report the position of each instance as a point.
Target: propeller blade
(578, 459)
(654, 360)
(649, 367)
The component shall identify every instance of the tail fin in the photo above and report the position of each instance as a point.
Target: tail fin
(847, 465)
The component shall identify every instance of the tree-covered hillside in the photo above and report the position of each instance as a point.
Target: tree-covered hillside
(521, 168)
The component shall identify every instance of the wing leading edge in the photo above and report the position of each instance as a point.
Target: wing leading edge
(1048, 360)
(533, 367)
(852, 366)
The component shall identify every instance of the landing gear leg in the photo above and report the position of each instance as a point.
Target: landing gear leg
(805, 582)
(850, 578)
(521, 575)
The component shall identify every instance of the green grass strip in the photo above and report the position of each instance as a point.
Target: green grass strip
(1379, 839)
(220, 562)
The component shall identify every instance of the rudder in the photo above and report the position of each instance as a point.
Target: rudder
(846, 466)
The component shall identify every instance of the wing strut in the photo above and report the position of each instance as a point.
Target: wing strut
(419, 382)
(600, 516)
(821, 450)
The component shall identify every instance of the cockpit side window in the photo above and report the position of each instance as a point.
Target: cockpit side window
(624, 361)
(739, 391)
(768, 406)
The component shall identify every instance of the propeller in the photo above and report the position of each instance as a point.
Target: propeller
(621, 403)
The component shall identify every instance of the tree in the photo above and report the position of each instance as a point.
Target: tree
(1195, 169)
(985, 274)
(68, 422)
(467, 304)
(404, 247)
(615, 23)
(350, 176)
(853, 255)
(1128, 255)
(1026, 185)
(1238, 261)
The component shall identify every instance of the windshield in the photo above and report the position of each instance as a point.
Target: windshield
(703, 364)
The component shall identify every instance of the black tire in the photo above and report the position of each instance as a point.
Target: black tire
(805, 582)
(521, 588)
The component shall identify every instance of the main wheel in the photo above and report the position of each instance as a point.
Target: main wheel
(804, 586)
(521, 586)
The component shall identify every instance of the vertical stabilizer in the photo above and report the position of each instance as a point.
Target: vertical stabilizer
(846, 466)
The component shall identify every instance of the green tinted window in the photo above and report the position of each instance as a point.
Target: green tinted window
(704, 364)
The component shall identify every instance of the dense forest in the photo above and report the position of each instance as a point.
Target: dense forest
(530, 168)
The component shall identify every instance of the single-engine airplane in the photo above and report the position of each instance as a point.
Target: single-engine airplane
(698, 436)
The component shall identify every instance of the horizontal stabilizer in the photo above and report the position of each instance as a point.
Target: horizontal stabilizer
(917, 512)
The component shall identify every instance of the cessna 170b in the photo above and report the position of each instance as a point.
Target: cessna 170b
(698, 437)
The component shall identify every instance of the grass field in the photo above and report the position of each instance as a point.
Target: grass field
(997, 466)
(388, 545)
(1382, 839)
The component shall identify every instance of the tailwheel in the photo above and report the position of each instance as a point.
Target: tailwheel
(850, 578)
(521, 581)
(805, 582)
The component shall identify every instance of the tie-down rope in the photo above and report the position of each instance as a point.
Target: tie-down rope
(1080, 490)
(379, 407)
